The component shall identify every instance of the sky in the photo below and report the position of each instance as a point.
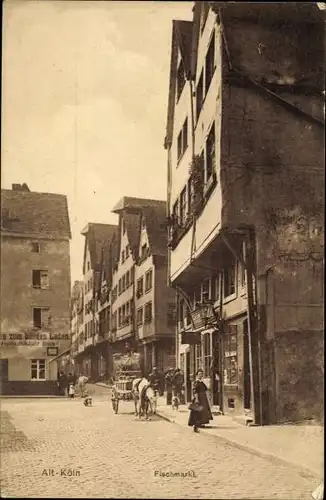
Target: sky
(84, 102)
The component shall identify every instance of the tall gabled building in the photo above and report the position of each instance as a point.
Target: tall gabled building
(96, 236)
(141, 301)
(35, 289)
(245, 141)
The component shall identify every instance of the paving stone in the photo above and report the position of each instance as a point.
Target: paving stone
(117, 456)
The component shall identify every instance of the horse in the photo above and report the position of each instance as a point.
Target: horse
(144, 397)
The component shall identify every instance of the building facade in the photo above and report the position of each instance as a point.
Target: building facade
(90, 350)
(245, 206)
(35, 289)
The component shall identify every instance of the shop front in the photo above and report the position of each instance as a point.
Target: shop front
(25, 363)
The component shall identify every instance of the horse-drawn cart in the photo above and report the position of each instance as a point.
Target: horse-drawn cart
(126, 370)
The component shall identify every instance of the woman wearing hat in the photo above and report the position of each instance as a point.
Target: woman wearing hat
(200, 413)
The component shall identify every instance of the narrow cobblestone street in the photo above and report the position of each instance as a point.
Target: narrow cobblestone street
(59, 448)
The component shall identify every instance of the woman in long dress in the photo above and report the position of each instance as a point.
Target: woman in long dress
(200, 418)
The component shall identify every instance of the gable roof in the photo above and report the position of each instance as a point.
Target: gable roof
(96, 236)
(39, 215)
(156, 227)
(182, 32)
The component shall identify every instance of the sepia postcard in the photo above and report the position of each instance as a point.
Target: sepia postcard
(162, 249)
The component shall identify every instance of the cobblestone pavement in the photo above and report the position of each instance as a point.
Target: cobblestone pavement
(59, 448)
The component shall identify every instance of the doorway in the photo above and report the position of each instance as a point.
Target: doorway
(246, 367)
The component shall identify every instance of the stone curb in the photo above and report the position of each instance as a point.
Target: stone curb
(251, 449)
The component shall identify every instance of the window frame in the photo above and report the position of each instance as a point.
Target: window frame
(140, 315)
(41, 308)
(146, 307)
(40, 271)
(183, 205)
(140, 289)
(36, 247)
(38, 369)
(181, 79)
(210, 153)
(229, 354)
(210, 63)
(230, 264)
(148, 274)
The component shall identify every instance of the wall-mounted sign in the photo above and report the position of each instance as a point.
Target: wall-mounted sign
(52, 351)
(28, 343)
(33, 336)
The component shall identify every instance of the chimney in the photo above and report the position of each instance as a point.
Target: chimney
(20, 187)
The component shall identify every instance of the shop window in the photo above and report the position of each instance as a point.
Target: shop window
(231, 356)
(210, 63)
(148, 280)
(140, 287)
(148, 312)
(38, 369)
(198, 357)
(40, 279)
(36, 247)
(41, 317)
(207, 353)
(140, 316)
(229, 278)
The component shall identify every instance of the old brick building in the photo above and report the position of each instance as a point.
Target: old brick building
(245, 142)
(35, 289)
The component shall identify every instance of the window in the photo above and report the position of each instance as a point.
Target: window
(210, 63)
(143, 250)
(198, 357)
(229, 278)
(127, 251)
(38, 369)
(207, 353)
(210, 154)
(41, 317)
(190, 193)
(140, 316)
(206, 290)
(175, 212)
(119, 317)
(36, 247)
(216, 288)
(119, 286)
(140, 287)
(40, 279)
(148, 280)
(127, 279)
(181, 79)
(123, 283)
(183, 139)
(171, 316)
(148, 312)
(183, 205)
(199, 95)
(231, 356)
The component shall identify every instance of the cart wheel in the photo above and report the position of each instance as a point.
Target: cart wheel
(115, 405)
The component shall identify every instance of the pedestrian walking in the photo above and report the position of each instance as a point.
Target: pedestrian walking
(177, 384)
(200, 413)
(62, 383)
(168, 386)
(82, 381)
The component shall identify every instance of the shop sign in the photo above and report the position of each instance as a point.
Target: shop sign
(40, 339)
(52, 351)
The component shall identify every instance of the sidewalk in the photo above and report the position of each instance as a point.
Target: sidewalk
(302, 446)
